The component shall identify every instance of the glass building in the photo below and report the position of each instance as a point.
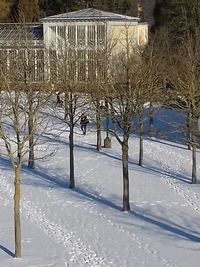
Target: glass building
(79, 41)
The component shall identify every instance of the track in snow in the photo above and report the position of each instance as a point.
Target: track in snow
(81, 254)
(180, 188)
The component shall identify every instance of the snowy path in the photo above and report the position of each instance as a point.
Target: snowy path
(181, 188)
(88, 223)
(80, 254)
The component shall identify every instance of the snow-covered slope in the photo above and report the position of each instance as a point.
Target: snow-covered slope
(85, 226)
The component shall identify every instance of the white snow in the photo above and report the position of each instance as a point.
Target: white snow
(86, 226)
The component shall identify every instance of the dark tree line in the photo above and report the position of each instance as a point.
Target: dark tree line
(32, 10)
(50, 7)
(180, 17)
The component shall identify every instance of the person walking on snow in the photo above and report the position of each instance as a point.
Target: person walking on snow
(84, 121)
(59, 100)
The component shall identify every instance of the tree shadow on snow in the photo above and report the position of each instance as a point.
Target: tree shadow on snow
(57, 180)
(175, 229)
(45, 179)
(152, 169)
(5, 164)
(51, 181)
(170, 175)
(166, 143)
(7, 251)
(95, 198)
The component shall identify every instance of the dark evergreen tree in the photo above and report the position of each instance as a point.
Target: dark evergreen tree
(125, 7)
(180, 17)
(51, 7)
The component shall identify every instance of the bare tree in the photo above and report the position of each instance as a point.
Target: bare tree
(68, 74)
(123, 89)
(184, 76)
(31, 77)
(97, 79)
(21, 104)
(183, 71)
(150, 81)
(14, 132)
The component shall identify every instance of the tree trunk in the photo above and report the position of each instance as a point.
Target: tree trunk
(112, 113)
(17, 213)
(189, 126)
(98, 122)
(31, 162)
(126, 204)
(66, 99)
(107, 118)
(71, 145)
(194, 167)
(141, 140)
(150, 127)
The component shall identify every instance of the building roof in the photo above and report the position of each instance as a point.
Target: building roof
(10, 32)
(89, 14)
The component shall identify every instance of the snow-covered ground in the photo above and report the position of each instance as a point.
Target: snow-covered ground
(85, 226)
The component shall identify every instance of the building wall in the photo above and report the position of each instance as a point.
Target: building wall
(85, 45)
(79, 49)
(81, 32)
(22, 64)
(121, 34)
(116, 34)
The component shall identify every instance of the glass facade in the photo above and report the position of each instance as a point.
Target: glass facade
(82, 51)
(91, 35)
(22, 65)
(81, 36)
(71, 45)
(85, 36)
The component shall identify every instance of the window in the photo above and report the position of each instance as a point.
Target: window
(101, 34)
(72, 35)
(81, 35)
(72, 64)
(22, 64)
(53, 64)
(52, 34)
(91, 35)
(12, 64)
(3, 61)
(91, 65)
(61, 32)
(81, 65)
(61, 36)
(31, 67)
(101, 65)
(40, 66)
